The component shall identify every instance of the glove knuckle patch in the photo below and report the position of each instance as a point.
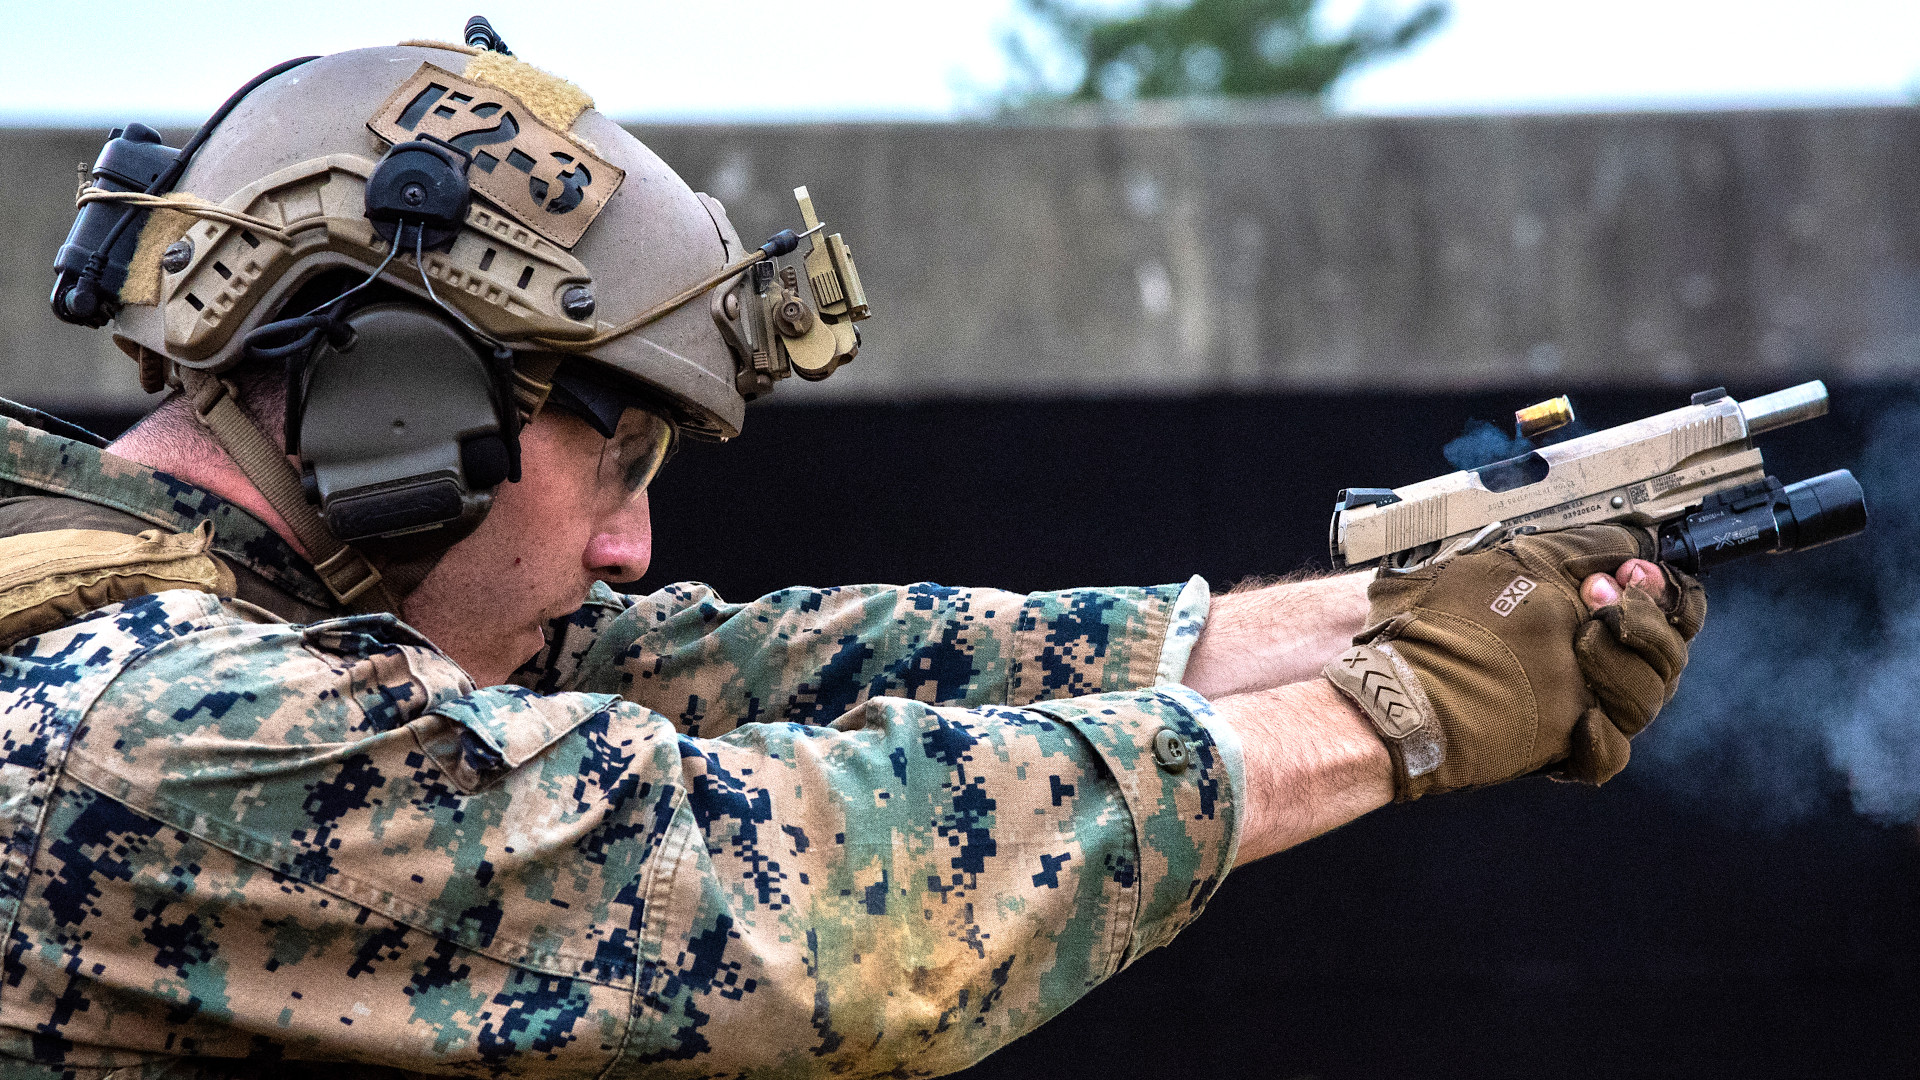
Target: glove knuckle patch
(1375, 678)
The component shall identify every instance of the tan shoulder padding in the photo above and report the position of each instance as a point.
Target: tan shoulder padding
(48, 579)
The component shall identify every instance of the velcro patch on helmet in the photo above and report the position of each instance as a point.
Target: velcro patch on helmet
(538, 176)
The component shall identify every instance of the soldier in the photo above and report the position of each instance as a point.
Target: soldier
(327, 741)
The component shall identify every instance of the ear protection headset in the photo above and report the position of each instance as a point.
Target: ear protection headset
(402, 421)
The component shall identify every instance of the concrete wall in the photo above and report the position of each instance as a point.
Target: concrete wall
(1268, 251)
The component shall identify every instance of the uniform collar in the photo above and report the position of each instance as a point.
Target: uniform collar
(33, 461)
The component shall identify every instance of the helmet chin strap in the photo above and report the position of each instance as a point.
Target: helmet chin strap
(355, 583)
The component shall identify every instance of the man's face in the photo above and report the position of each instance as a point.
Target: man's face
(578, 515)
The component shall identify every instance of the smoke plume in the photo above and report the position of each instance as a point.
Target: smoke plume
(1804, 688)
(1483, 444)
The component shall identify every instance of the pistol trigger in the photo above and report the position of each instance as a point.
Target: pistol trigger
(1489, 536)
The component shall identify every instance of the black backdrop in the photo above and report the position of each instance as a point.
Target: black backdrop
(1531, 930)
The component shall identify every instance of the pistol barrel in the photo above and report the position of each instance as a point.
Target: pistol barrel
(1646, 473)
(1783, 407)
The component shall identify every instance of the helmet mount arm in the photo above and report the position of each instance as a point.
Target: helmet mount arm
(420, 264)
(293, 341)
(500, 360)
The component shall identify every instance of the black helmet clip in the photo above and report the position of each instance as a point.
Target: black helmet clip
(418, 195)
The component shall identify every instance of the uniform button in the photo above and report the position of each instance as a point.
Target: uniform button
(1171, 751)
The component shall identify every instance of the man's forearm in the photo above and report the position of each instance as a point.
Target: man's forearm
(1312, 762)
(1256, 639)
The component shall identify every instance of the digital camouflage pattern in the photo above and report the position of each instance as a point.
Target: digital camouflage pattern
(854, 831)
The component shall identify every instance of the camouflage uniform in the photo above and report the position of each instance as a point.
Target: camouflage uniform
(854, 831)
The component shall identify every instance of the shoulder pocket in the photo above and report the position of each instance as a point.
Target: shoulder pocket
(392, 672)
(480, 738)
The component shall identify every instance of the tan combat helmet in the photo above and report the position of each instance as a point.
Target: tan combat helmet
(499, 226)
(576, 233)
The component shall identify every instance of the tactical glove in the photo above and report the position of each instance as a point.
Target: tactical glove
(1487, 665)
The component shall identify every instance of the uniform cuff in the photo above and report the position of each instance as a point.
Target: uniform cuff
(1179, 768)
(1188, 618)
(1082, 642)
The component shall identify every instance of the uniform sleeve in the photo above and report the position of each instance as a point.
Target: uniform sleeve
(809, 655)
(320, 844)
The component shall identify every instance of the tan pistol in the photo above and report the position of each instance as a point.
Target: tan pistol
(1691, 477)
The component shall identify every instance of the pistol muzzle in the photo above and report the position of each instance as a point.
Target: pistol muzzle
(1783, 407)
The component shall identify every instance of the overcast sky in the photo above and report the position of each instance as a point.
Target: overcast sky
(114, 60)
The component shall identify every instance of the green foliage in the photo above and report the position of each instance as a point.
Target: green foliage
(1242, 48)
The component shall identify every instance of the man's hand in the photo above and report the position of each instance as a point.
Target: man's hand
(1270, 636)
(1497, 663)
(1313, 760)
(1603, 590)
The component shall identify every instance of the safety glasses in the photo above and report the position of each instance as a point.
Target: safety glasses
(632, 456)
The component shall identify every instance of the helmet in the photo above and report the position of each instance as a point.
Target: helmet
(617, 232)
(445, 233)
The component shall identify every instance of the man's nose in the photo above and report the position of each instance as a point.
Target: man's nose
(622, 545)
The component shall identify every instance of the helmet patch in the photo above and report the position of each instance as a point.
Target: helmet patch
(542, 179)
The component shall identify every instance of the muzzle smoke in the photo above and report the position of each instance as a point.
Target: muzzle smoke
(1803, 687)
(1484, 443)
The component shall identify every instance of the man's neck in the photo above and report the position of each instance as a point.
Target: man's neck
(172, 441)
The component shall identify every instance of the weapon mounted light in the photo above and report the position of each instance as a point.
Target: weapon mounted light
(1766, 517)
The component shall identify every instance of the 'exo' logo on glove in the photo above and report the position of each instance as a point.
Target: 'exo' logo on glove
(1511, 596)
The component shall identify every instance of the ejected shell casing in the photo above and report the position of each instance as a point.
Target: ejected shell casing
(1536, 420)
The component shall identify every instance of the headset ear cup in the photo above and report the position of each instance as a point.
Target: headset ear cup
(484, 459)
(402, 429)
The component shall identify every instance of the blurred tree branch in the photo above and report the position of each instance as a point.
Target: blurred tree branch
(1196, 48)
